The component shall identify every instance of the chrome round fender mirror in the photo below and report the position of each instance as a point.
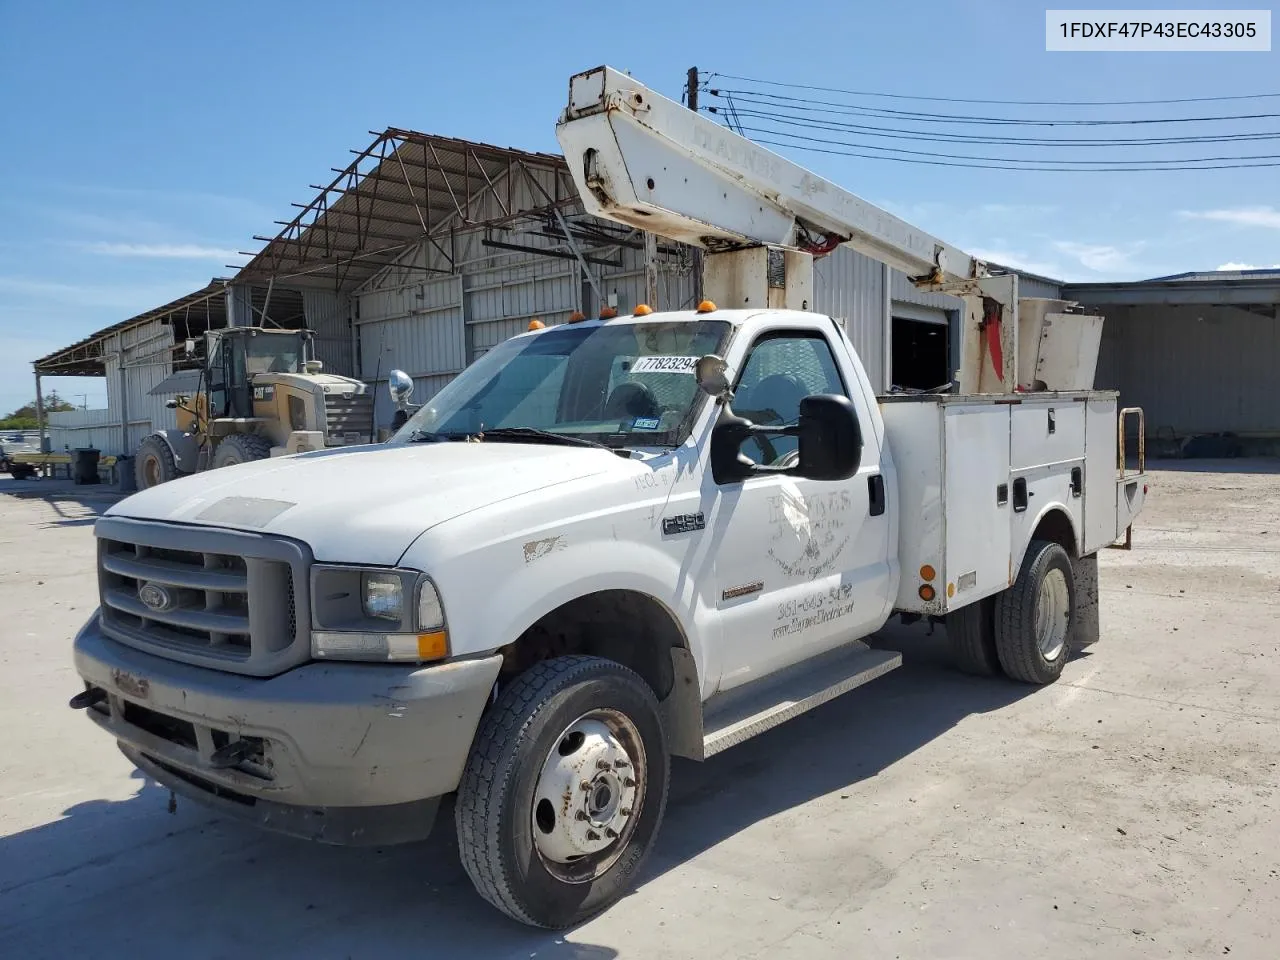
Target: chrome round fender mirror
(712, 373)
(401, 386)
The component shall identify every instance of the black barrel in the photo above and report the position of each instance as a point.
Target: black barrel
(84, 465)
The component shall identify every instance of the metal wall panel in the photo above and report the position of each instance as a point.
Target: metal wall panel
(1194, 369)
(329, 316)
(1038, 287)
(415, 328)
(147, 354)
(850, 288)
(502, 301)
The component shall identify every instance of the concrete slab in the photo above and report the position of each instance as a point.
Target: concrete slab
(1128, 811)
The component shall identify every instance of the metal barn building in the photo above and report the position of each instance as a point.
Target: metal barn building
(1199, 352)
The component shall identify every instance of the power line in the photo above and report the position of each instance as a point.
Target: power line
(904, 133)
(1015, 160)
(1021, 103)
(992, 166)
(828, 106)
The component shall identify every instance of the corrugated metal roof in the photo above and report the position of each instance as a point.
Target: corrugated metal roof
(84, 358)
(1266, 273)
(1258, 290)
(203, 309)
(405, 186)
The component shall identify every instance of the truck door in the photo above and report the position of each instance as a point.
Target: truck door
(801, 565)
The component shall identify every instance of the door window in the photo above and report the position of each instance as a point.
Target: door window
(781, 370)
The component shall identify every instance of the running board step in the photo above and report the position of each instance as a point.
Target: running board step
(742, 713)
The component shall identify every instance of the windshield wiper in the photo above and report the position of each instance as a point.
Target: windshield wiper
(426, 436)
(535, 435)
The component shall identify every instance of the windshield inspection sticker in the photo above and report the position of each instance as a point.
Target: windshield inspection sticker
(645, 423)
(664, 365)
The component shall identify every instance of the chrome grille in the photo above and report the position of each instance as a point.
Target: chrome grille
(348, 418)
(225, 599)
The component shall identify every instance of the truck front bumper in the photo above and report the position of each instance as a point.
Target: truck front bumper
(337, 752)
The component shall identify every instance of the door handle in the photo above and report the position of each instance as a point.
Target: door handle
(1020, 494)
(875, 494)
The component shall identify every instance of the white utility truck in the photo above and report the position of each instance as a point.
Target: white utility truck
(610, 542)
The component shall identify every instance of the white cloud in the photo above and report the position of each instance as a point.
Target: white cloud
(1247, 266)
(1099, 257)
(165, 251)
(1268, 217)
(23, 295)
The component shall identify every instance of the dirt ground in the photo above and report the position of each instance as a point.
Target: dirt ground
(1127, 811)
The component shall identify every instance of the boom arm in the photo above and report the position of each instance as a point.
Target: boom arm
(642, 159)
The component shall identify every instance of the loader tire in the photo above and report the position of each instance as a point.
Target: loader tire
(154, 463)
(241, 448)
(1035, 617)
(971, 632)
(563, 792)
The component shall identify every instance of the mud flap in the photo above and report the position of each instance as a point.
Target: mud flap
(1088, 625)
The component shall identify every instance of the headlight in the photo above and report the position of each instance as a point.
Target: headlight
(383, 595)
(376, 615)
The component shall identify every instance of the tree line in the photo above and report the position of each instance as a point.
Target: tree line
(24, 418)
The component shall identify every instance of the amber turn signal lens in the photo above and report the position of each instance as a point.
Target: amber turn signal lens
(433, 646)
(927, 572)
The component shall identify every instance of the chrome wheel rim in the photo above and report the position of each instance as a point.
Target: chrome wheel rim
(1053, 615)
(588, 795)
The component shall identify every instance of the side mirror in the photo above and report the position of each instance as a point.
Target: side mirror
(830, 438)
(830, 442)
(712, 373)
(400, 384)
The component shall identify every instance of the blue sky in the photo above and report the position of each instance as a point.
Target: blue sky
(146, 142)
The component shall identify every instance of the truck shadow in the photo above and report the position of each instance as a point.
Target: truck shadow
(151, 884)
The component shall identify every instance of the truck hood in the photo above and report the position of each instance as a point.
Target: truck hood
(365, 504)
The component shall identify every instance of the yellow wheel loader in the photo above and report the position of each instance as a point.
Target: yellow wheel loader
(259, 395)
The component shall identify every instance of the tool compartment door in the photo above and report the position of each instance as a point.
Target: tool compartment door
(1100, 517)
(976, 502)
(1047, 454)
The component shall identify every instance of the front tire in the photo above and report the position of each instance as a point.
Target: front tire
(241, 448)
(1035, 616)
(564, 791)
(154, 464)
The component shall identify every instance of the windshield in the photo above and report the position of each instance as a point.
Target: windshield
(621, 384)
(272, 353)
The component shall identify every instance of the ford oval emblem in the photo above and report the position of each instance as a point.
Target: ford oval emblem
(155, 597)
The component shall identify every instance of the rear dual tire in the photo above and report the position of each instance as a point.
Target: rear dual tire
(1034, 618)
(1024, 631)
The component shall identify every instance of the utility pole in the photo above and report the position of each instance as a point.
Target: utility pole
(651, 271)
(691, 101)
(40, 411)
